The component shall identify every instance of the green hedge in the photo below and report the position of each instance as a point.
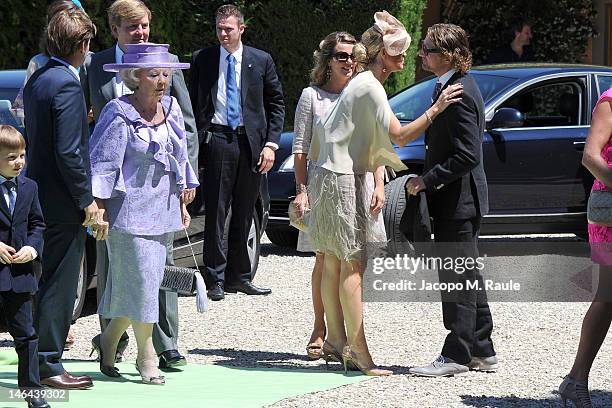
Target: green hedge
(561, 28)
(289, 30)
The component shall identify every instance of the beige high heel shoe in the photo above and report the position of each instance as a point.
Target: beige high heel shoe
(350, 357)
(156, 380)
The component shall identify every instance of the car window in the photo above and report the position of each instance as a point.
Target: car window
(413, 101)
(604, 83)
(550, 104)
(9, 94)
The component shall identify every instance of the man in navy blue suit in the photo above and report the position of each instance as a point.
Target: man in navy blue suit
(21, 242)
(238, 104)
(58, 154)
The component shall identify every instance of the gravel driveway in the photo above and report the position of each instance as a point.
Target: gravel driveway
(535, 342)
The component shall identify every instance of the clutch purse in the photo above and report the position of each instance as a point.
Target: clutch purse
(599, 208)
(301, 223)
(179, 279)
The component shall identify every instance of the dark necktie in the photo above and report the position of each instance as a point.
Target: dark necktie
(436, 92)
(231, 91)
(12, 194)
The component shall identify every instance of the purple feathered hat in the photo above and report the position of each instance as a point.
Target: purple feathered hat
(146, 55)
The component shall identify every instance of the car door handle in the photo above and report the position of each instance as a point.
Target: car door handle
(579, 145)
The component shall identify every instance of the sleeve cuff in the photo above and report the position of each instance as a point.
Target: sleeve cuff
(273, 145)
(32, 250)
(103, 185)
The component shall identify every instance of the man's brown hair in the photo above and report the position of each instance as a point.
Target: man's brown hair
(127, 10)
(453, 43)
(67, 31)
(228, 10)
(11, 138)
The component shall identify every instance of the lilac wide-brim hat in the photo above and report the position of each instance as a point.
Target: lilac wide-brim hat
(146, 55)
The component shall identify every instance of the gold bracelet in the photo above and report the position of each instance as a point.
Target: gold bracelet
(428, 118)
(300, 188)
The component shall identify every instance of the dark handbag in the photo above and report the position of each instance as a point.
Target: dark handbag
(180, 279)
(599, 208)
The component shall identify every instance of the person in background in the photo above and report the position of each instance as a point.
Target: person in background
(334, 67)
(519, 49)
(597, 158)
(140, 169)
(130, 23)
(237, 100)
(57, 134)
(21, 244)
(353, 139)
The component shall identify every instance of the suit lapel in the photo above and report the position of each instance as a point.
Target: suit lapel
(20, 200)
(107, 79)
(245, 71)
(3, 206)
(214, 75)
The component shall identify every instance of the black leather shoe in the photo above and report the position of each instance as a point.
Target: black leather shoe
(216, 291)
(247, 288)
(39, 402)
(171, 359)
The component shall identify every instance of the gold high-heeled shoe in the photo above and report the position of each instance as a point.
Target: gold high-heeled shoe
(575, 391)
(157, 380)
(350, 357)
(329, 353)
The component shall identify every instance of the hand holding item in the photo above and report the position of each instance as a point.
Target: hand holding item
(6, 253)
(298, 220)
(450, 95)
(91, 214)
(99, 230)
(266, 159)
(185, 217)
(24, 255)
(415, 185)
(201, 297)
(301, 203)
(188, 195)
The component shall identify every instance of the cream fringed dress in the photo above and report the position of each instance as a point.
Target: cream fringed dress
(350, 141)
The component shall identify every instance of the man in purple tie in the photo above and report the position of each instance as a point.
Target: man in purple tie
(238, 105)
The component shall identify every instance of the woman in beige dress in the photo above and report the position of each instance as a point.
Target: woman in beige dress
(354, 138)
(334, 67)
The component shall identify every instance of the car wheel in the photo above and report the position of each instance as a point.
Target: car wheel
(81, 291)
(253, 240)
(395, 203)
(286, 238)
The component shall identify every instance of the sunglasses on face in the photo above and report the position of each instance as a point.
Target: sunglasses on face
(426, 50)
(343, 56)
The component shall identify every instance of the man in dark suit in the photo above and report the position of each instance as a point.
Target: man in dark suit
(21, 242)
(58, 154)
(457, 197)
(239, 109)
(129, 21)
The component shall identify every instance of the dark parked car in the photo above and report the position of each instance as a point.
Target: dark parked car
(537, 119)
(11, 81)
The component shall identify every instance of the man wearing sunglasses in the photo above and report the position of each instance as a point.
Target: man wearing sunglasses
(456, 186)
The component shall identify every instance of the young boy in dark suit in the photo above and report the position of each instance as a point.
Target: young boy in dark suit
(21, 242)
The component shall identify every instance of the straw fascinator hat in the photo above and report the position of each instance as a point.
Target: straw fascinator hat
(145, 55)
(396, 39)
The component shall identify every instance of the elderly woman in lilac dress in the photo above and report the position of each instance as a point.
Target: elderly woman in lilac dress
(142, 178)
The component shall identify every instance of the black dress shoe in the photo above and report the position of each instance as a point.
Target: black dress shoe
(37, 402)
(171, 359)
(247, 288)
(216, 291)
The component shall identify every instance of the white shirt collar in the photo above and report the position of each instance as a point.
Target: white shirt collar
(72, 69)
(237, 54)
(444, 78)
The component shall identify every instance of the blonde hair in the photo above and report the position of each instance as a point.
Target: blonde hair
(11, 138)
(67, 31)
(229, 10)
(453, 43)
(127, 10)
(322, 56)
(370, 46)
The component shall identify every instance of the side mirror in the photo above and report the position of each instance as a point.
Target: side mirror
(506, 118)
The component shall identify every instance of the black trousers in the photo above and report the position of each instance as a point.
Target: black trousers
(18, 311)
(229, 182)
(466, 313)
(64, 245)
